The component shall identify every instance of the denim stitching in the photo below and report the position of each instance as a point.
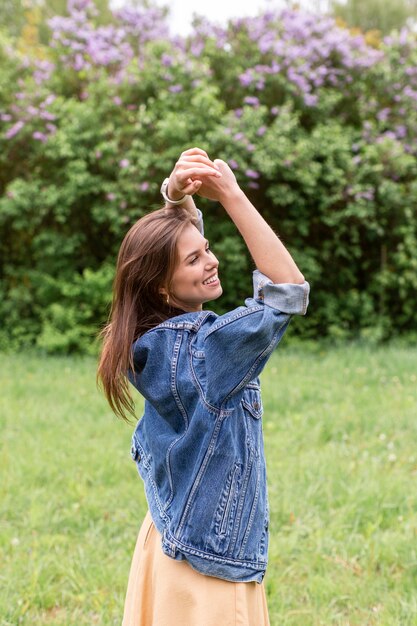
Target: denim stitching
(145, 462)
(183, 412)
(234, 317)
(252, 513)
(208, 555)
(267, 350)
(240, 505)
(200, 390)
(208, 455)
(174, 389)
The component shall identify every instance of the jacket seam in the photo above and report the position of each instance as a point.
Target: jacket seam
(174, 389)
(199, 387)
(265, 352)
(242, 313)
(206, 460)
(213, 557)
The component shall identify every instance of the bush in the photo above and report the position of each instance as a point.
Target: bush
(318, 126)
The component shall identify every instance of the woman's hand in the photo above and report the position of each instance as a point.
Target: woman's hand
(192, 168)
(219, 188)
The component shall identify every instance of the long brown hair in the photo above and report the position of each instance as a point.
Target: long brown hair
(146, 262)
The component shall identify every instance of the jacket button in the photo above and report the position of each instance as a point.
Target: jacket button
(256, 406)
(134, 453)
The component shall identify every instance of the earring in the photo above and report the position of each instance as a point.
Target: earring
(167, 299)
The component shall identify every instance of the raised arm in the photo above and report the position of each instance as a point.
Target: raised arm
(268, 252)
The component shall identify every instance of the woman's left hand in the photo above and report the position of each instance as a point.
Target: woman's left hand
(189, 172)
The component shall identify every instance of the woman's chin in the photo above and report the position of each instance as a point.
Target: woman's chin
(216, 294)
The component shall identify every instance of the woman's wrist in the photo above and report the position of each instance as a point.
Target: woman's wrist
(231, 196)
(173, 193)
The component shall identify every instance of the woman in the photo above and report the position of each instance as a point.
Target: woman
(201, 553)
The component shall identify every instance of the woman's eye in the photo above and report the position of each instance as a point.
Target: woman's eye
(196, 258)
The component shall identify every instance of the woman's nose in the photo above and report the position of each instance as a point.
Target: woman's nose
(212, 260)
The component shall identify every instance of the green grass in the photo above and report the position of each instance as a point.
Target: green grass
(340, 430)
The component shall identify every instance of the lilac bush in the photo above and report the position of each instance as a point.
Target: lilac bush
(319, 127)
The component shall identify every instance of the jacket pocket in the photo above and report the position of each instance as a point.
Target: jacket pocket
(252, 401)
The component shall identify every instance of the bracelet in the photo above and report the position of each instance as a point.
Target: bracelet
(164, 189)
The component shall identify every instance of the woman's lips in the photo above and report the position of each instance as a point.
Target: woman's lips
(213, 284)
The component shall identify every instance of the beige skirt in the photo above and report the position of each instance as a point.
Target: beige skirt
(164, 592)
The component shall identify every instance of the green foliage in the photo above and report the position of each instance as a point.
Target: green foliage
(382, 15)
(331, 165)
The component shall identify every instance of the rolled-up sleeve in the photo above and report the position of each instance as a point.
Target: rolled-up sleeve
(288, 298)
(239, 343)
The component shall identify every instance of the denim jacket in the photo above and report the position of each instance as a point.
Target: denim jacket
(199, 444)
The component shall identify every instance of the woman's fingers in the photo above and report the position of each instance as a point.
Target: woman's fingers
(192, 172)
(192, 151)
(188, 161)
(193, 187)
(193, 164)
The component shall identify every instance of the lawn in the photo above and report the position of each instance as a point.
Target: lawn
(340, 428)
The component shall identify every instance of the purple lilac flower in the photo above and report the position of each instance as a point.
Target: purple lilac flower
(46, 115)
(252, 173)
(310, 100)
(117, 100)
(246, 78)
(253, 185)
(39, 136)
(233, 164)
(251, 100)
(12, 132)
(261, 131)
(144, 186)
(166, 60)
(111, 196)
(175, 88)
(124, 163)
(382, 115)
(197, 47)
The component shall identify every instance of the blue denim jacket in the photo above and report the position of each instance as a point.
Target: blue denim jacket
(199, 445)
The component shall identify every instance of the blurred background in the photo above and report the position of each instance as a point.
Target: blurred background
(314, 107)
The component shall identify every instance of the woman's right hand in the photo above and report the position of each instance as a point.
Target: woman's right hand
(220, 188)
(193, 166)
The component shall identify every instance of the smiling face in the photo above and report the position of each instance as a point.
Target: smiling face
(195, 278)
